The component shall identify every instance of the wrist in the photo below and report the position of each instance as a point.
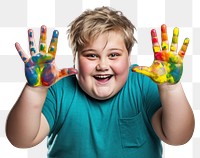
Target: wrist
(37, 88)
(167, 86)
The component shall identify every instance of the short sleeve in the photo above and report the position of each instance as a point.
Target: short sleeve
(151, 96)
(149, 93)
(58, 101)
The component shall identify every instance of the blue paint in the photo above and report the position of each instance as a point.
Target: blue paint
(23, 58)
(176, 73)
(33, 50)
(51, 49)
(31, 76)
(47, 76)
(43, 30)
(55, 34)
(36, 58)
(31, 34)
(31, 43)
(20, 53)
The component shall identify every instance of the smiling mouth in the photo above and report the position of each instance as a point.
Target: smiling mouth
(103, 78)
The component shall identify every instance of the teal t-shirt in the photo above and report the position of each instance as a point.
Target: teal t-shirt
(120, 127)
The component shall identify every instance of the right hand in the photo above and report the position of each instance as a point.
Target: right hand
(40, 68)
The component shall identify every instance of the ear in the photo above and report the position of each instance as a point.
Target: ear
(75, 60)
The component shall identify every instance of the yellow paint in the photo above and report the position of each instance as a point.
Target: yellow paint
(164, 46)
(156, 49)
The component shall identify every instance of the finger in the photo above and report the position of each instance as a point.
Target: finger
(67, 72)
(174, 44)
(43, 37)
(155, 43)
(21, 52)
(158, 55)
(32, 46)
(184, 47)
(142, 70)
(164, 37)
(53, 45)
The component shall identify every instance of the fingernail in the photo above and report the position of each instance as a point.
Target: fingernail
(30, 34)
(164, 28)
(176, 31)
(55, 34)
(186, 41)
(43, 29)
(153, 32)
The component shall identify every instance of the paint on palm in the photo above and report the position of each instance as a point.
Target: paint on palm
(167, 66)
(40, 68)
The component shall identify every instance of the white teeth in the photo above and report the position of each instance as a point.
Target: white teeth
(102, 76)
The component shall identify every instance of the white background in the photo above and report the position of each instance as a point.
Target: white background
(144, 14)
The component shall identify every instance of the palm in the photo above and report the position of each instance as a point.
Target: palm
(167, 70)
(40, 68)
(167, 66)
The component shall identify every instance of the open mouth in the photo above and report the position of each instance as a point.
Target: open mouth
(103, 78)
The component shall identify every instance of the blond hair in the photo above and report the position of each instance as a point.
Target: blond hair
(91, 23)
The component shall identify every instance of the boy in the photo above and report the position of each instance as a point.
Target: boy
(104, 109)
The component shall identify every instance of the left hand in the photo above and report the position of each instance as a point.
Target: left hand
(167, 66)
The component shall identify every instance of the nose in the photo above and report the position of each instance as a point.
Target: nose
(103, 65)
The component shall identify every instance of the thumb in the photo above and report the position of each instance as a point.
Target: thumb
(142, 70)
(67, 72)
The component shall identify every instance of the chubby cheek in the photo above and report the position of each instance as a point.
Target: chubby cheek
(85, 68)
(121, 70)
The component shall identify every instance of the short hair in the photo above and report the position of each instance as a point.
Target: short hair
(92, 23)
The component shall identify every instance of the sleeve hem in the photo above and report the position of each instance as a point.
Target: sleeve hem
(49, 119)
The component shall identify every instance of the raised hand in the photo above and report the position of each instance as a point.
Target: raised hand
(40, 68)
(167, 66)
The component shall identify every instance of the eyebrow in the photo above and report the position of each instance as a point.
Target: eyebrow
(93, 50)
(87, 50)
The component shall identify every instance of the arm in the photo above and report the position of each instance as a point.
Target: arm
(26, 126)
(174, 121)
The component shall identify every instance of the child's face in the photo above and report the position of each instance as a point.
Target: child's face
(103, 66)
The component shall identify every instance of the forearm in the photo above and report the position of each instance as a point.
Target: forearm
(23, 122)
(177, 119)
